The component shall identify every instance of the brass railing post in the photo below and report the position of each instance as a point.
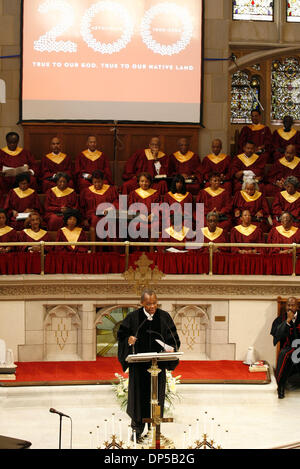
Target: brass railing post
(127, 245)
(42, 257)
(294, 259)
(211, 254)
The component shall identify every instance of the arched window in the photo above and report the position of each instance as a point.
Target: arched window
(293, 11)
(245, 96)
(285, 78)
(254, 10)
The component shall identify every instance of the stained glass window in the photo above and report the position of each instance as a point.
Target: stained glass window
(255, 10)
(245, 96)
(285, 88)
(293, 11)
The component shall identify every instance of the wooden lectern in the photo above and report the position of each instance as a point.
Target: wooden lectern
(154, 358)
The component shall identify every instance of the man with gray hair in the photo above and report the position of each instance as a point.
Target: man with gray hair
(138, 333)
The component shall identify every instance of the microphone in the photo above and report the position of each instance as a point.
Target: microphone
(137, 331)
(53, 411)
(173, 337)
(157, 333)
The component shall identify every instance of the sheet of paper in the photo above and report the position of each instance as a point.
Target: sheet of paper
(166, 347)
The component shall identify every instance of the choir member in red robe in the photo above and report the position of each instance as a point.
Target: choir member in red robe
(149, 160)
(285, 233)
(13, 156)
(147, 196)
(58, 200)
(259, 134)
(250, 198)
(96, 194)
(213, 233)
(177, 232)
(246, 232)
(186, 162)
(178, 194)
(216, 199)
(287, 200)
(53, 163)
(91, 160)
(217, 162)
(21, 200)
(33, 233)
(7, 233)
(288, 165)
(248, 161)
(284, 136)
(71, 232)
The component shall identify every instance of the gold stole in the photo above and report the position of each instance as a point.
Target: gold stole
(246, 230)
(72, 236)
(12, 153)
(251, 198)
(183, 158)
(23, 194)
(287, 234)
(212, 235)
(150, 157)
(144, 194)
(290, 164)
(286, 135)
(248, 161)
(256, 127)
(102, 191)
(214, 193)
(178, 197)
(35, 235)
(290, 197)
(58, 193)
(179, 235)
(216, 159)
(57, 159)
(5, 230)
(92, 155)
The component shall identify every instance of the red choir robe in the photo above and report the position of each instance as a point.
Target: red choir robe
(15, 159)
(254, 204)
(278, 235)
(284, 202)
(170, 235)
(281, 139)
(52, 164)
(54, 201)
(183, 200)
(90, 198)
(187, 164)
(259, 134)
(249, 234)
(281, 169)
(76, 236)
(148, 197)
(142, 161)
(255, 163)
(19, 201)
(27, 236)
(8, 235)
(218, 236)
(222, 201)
(217, 164)
(86, 163)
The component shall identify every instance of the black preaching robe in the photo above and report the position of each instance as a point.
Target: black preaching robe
(286, 334)
(161, 327)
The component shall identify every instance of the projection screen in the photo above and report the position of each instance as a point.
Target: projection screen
(118, 60)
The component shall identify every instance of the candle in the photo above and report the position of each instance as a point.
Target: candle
(98, 436)
(212, 430)
(205, 423)
(190, 435)
(134, 439)
(91, 440)
(120, 429)
(197, 431)
(105, 430)
(184, 440)
(128, 435)
(113, 424)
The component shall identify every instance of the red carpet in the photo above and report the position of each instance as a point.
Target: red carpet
(102, 371)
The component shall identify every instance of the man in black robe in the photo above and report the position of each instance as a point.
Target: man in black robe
(137, 334)
(286, 329)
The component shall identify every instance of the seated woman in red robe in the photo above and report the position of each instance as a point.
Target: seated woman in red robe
(213, 233)
(248, 161)
(287, 200)
(177, 232)
(250, 198)
(53, 163)
(217, 163)
(59, 199)
(285, 233)
(7, 233)
(96, 194)
(17, 158)
(288, 165)
(91, 160)
(21, 201)
(187, 163)
(218, 200)
(178, 194)
(284, 136)
(71, 232)
(258, 133)
(246, 232)
(33, 232)
(149, 219)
